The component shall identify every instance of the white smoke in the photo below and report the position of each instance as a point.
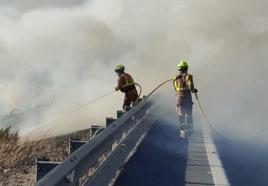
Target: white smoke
(66, 53)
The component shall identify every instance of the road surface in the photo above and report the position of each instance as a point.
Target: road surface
(162, 159)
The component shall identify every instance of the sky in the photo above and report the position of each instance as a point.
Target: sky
(64, 53)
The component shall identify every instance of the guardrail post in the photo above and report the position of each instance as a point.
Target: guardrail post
(119, 114)
(43, 166)
(109, 121)
(94, 130)
(75, 144)
(105, 153)
(95, 127)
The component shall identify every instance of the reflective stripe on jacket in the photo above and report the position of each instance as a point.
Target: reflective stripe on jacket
(125, 82)
(181, 82)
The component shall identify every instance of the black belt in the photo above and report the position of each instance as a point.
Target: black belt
(129, 88)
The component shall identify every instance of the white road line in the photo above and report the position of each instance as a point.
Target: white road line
(217, 170)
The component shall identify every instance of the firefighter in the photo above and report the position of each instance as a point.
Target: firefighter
(184, 86)
(126, 85)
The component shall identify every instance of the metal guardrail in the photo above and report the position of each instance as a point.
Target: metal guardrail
(75, 144)
(43, 167)
(96, 162)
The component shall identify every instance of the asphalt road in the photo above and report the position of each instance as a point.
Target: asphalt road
(161, 160)
(245, 164)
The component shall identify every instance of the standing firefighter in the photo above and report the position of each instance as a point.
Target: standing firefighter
(183, 84)
(126, 84)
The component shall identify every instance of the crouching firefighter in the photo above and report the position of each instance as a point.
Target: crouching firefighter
(183, 84)
(126, 85)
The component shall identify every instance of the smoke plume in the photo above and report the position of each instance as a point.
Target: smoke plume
(63, 53)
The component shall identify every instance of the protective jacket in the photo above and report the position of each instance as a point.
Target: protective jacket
(126, 84)
(183, 84)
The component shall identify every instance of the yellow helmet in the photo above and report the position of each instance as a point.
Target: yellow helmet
(182, 65)
(119, 68)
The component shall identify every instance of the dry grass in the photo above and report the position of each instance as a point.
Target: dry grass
(17, 156)
(7, 134)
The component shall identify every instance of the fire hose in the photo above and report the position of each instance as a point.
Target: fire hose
(200, 109)
(140, 92)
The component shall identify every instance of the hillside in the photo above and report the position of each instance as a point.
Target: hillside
(18, 156)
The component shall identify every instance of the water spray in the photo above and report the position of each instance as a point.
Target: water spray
(140, 92)
(58, 117)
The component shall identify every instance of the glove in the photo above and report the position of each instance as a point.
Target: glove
(116, 88)
(194, 90)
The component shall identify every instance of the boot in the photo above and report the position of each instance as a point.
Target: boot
(182, 133)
